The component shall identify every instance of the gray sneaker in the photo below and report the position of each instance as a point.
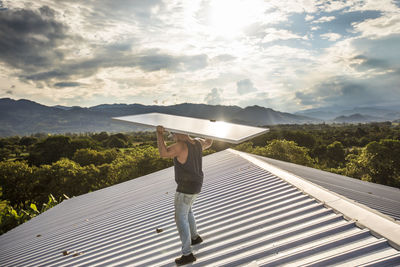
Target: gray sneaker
(196, 241)
(185, 259)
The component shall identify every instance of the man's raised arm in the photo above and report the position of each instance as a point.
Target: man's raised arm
(166, 152)
(205, 143)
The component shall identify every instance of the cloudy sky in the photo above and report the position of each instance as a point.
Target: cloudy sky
(282, 54)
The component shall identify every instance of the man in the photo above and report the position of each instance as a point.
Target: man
(187, 155)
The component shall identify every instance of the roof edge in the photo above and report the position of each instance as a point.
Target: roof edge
(379, 224)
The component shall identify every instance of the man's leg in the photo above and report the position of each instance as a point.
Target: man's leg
(183, 204)
(192, 224)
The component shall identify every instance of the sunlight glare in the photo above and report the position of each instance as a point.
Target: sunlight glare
(228, 18)
(221, 129)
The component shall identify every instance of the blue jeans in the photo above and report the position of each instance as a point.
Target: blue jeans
(185, 221)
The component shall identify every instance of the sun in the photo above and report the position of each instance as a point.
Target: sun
(228, 18)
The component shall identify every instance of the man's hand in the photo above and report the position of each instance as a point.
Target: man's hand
(205, 144)
(160, 129)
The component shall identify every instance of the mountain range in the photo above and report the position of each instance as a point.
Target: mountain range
(25, 117)
(355, 115)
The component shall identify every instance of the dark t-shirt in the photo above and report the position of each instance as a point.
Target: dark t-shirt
(189, 176)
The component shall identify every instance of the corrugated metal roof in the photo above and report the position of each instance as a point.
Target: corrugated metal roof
(245, 214)
(383, 198)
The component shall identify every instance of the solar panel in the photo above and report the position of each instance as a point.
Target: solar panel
(217, 130)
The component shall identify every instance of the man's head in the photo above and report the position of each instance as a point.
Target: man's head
(180, 137)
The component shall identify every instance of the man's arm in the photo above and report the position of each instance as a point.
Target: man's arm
(167, 152)
(205, 143)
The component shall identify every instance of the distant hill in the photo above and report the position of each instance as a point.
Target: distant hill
(62, 107)
(365, 114)
(356, 118)
(25, 117)
(257, 115)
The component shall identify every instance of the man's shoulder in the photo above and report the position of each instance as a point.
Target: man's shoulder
(181, 145)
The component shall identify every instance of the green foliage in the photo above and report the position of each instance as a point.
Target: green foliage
(100, 137)
(379, 162)
(63, 176)
(82, 143)
(115, 141)
(27, 141)
(11, 217)
(4, 153)
(87, 171)
(89, 156)
(245, 147)
(335, 154)
(17, 181)
(286, 151)
(50, 150)
(137, 162)
(10, 141)
(121, 136)
(55, 147)
(366, 151)
(77, 164)
(208, 152)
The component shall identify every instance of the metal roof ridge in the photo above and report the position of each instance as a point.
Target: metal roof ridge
(378, 223)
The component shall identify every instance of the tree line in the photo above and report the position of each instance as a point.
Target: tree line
(369, 152)
(39, 171)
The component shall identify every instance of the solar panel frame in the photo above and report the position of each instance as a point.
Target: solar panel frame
(216, 130)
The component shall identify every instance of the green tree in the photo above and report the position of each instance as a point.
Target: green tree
(122, 169)
(10, 217)
(89, 156)
(27, 141)
(83, 143)
(17, 181)
(121, 136)
(4, 153)
(100, 137)
(379, 162)
(286, 151)
(62, 177)
(335, 154)
(50, 150)
(301, 138)
(115, 141)
(245, 147)
(149, 160)
(137, 162)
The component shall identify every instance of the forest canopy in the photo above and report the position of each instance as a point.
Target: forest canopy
(39, 171)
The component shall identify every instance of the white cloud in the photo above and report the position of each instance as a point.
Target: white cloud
(262, 99)
(331, 36)
(381, 5)
(309, 17)
(385, 25)
(282, 52)
(349, 92)
(300, 6)
(245, 86)
(213, 97)
(356, 5)
(155, 49)
(276, 34)
(330, 6)
(324, 19)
